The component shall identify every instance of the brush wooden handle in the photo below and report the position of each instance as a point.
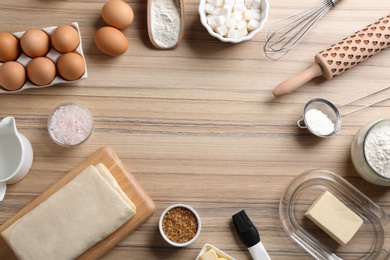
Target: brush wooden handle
(344, 55)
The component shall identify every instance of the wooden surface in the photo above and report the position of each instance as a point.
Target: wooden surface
(198, 124)
(145, 206)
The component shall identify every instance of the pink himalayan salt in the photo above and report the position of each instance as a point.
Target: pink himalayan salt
(70, 124)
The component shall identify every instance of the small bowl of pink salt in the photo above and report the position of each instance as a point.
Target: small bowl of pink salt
(70, 124)
(180, 225)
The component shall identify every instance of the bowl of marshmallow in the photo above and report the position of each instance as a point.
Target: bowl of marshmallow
(233, 21)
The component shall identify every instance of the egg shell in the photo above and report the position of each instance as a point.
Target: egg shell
(41, 71)
(118, 14)
(35, 43)
(12, 75)
(65, 38)
(9, 47)
(71, 66)
(111, 41)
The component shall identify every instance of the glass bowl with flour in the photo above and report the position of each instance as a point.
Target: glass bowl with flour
(370, 152)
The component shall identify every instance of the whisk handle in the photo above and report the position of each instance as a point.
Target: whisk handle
(298, 80)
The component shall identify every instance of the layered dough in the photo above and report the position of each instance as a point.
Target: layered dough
(83, 212)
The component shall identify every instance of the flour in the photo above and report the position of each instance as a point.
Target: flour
(165, 22)
(377, 149)
(319, 122)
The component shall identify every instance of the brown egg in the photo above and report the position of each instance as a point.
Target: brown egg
(9, 47)
(12, 75)
(117, 14)
(41, 71)
(65, 38)
(71, 66)
(111, 41)
(35, 43)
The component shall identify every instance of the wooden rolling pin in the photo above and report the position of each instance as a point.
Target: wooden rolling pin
(342, 56)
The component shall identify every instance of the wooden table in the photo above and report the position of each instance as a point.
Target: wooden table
(198, 124)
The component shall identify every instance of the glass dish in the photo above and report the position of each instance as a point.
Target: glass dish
(372, 241)
(70, 124)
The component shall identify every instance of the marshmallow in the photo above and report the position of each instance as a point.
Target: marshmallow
(211, 21)
(256, 16)
(209, 8)
(239, 8)
(252, 24)
(215, 2)
(227, 10)
(242, 33)
(217, 10)
(219, 20)
(248, 14)
(222, 30)
(233, 34)
(237, 16)
(241, 25)
(231, 23)
(230, 2)
(248, 3)
(256, 4)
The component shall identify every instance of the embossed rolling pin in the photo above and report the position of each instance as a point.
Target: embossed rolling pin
(342, 56)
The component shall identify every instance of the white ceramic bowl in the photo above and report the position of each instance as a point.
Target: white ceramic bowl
(203, 19)
(160, 225)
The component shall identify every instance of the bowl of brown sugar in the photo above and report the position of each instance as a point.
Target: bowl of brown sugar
(180, 225)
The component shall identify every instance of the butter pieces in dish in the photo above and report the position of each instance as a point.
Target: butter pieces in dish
(371, 241)
(219, 253)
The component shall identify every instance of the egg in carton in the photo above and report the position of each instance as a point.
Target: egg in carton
(53, 55)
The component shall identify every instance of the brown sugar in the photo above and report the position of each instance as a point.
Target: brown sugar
(180, 225)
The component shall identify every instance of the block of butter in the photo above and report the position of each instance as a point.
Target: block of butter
(333, 217)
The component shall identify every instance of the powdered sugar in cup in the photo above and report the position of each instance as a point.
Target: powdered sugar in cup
(320, 117)
(70, 124)
(323, 119)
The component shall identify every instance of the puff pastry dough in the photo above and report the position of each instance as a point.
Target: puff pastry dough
(83, 212)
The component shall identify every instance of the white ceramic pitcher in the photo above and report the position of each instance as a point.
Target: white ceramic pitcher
(16, 154)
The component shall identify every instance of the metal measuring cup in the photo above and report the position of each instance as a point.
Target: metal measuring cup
(332, 112)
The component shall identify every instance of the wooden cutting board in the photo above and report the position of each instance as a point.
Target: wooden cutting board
(145, 205)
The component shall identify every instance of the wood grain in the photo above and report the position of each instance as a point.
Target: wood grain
(199, 124)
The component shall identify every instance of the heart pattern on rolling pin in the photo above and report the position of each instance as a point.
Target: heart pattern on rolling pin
(354, 49)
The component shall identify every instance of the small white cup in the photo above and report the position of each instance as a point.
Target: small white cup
(16, 154)
(160, 225)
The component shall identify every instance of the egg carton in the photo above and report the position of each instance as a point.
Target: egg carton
(53, 55)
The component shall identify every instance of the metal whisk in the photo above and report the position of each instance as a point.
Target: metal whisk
(284, 35)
